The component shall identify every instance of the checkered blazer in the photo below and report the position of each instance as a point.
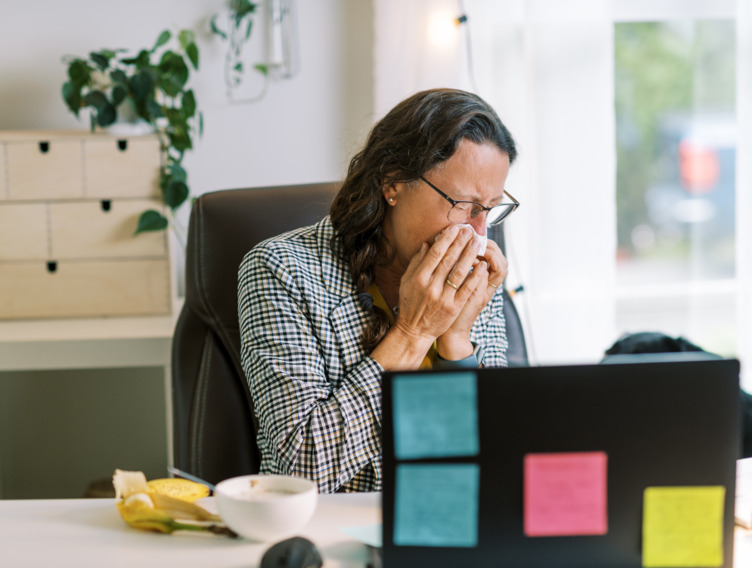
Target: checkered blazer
(316, 391)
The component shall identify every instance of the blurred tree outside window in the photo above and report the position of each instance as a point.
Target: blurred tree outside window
(674, 88)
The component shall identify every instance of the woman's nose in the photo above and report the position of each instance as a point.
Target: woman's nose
(479, 224)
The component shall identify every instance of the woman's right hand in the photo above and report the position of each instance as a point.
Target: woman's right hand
(428, 303)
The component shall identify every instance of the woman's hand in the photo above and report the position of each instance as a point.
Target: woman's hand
(436, 288)
(455, 343)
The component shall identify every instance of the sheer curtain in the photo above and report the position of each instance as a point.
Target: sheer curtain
(547, 68)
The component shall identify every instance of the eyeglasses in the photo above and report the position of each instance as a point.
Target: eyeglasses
(465, 211)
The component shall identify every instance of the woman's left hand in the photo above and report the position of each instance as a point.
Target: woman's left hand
(493, 268)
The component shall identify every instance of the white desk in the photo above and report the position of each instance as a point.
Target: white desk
(85, 533)
(91, 343)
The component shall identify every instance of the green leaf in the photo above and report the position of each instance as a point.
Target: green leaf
(154, 109)
(186, 37)
(180, 139)
(201, 124)
(95, 99)
(191, 51)
(118, 95)
(141, 61)
(101, 61)
(215, 30)
(238, 67)
(118, 76)
(79, 72)
(72, 97)
(174, 74)
(151, 220)
(175, 194)
(189, 104)
(106, 114)
(177, 172)
(141, 86)
(163, 38)
(248, 29)
(262, 68)
(241, 8)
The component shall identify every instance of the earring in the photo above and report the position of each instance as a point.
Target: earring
(391, 200)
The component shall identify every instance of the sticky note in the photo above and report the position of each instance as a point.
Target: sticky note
(683, 526)
(435, 416)
(436, 505)
(565, 494)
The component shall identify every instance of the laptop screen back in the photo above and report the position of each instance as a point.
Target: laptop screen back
(584, 466)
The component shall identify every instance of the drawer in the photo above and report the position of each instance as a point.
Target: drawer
(103, 229)
(3, 174)
(127, 167)
(84, 289)
(44, 169)
(23, 231)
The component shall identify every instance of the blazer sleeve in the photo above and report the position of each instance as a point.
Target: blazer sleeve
(315, 420)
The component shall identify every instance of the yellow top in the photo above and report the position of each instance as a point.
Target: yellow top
(378, 300)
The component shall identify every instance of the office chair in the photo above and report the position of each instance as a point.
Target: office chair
(214, 424)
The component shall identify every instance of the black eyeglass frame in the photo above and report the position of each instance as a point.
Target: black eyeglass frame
(510, 206)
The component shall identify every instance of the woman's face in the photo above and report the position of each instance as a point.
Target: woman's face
(417, 213)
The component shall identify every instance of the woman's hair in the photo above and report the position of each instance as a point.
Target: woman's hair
(419, 133)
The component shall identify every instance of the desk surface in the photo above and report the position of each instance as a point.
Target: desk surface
(90, 533)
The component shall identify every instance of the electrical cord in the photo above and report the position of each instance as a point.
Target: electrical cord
(462, 20)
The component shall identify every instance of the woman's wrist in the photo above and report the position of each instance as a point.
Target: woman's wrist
(454, 348)
(401, 350)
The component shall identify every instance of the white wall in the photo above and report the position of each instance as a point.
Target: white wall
(304, 130)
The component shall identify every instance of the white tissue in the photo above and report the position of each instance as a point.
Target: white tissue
(482, 239)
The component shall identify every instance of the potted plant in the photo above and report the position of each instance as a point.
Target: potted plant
(153, 85)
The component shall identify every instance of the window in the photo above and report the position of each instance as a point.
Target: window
(674, 90)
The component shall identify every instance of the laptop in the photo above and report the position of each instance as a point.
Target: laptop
(581, 466)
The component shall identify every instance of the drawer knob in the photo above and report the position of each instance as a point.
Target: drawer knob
(52, 266)
(122, 145)
(44, 147)
(106, 205)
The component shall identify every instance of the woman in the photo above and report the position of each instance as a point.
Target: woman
(394, 278)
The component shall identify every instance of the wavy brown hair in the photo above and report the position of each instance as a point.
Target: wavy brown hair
(416, 135)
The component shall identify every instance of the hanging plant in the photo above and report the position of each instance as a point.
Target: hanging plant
(237, 33)
(154, 86)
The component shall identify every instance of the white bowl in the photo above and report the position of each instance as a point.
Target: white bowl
(266, 507)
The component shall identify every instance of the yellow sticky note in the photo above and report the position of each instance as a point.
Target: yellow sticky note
(683, 526)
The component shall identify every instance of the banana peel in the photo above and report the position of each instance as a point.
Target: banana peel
(151, 508)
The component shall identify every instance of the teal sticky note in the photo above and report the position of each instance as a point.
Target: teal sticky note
(436, 505)
(435, 415)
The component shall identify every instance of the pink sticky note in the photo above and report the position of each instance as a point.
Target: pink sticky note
(565, 494)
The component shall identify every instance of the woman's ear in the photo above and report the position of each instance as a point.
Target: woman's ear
(390, 194)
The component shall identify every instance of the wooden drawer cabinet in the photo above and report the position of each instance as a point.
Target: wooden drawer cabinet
(23, 231)
(122, 167)
(69, 207)
(46, 169)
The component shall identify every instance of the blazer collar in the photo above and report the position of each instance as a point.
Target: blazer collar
(334, 270)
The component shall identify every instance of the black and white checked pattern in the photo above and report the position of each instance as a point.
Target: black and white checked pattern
(317, 393)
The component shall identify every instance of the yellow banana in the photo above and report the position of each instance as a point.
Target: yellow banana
(143, 507)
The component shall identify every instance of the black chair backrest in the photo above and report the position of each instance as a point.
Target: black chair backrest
(214, 426)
